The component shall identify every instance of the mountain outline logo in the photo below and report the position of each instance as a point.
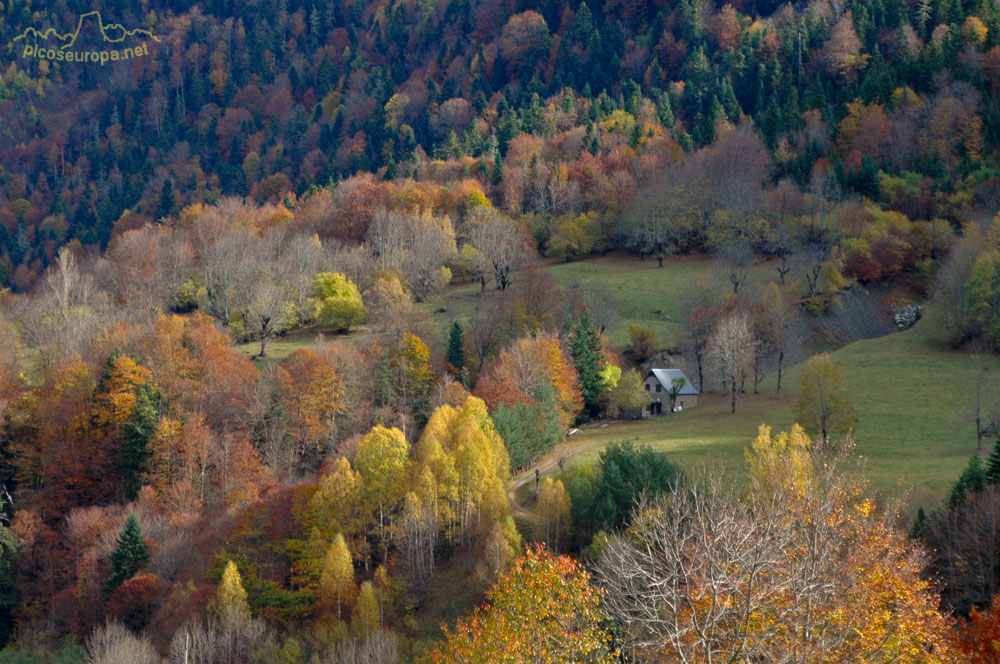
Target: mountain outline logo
(111, 33)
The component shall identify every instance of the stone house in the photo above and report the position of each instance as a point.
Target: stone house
(658, 383)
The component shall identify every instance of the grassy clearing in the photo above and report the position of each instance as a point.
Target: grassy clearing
(914, 402)
(281, 347)
(641, 292)
(644, 293)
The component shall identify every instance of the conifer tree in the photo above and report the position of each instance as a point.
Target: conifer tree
(129, 555)
(972, 480)
(585, 350)
(139, 429)
(993, 464)
(231, 599)
(456, 348)
(337, 579)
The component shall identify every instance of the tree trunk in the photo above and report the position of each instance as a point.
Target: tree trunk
(781, 358)
(979, 412)
(734, 396)
(701, 377)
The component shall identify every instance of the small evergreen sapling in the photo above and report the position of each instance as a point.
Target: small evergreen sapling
(129, 555)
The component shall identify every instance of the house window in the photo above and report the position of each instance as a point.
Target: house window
(647, 387)
(659, 388)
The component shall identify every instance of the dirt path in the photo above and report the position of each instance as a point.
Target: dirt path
(546, 463)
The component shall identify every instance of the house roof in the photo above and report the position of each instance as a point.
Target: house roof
(666, 378)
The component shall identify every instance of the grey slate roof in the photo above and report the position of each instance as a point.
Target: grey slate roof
(666, 378)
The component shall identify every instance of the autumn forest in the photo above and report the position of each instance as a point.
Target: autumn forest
(327, 329)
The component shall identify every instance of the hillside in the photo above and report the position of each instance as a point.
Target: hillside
(913, 440)
(272, 99)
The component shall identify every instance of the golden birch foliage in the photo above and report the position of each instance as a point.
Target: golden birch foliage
(502, 546)
(467, 458)
(365, 618)
(481, 460)
(785, 457)
(382, 461)
(336, 582)
(231, 599)
(338, 506)
(553, 508)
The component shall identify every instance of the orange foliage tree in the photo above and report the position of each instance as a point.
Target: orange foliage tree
(543, 610)
(514, 377)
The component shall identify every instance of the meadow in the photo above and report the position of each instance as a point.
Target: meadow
(915, 406)
(914, 400)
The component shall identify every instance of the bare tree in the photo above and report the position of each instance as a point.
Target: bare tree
(266, 310)
(662, 218)
(731, 351)
(380, 647)
(115, 644)
(693, 573)
(735, 257)
(389, 236)
(432, 243)
(488, 329)
(502, 248)
(228, 265)
(68, 286)
(987, 406)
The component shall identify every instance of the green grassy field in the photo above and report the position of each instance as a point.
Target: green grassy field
(914, 402)
(281, 347)
(641, 292)
(650, 295)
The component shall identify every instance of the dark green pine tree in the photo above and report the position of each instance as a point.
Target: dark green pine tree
(585, 349)
(456, 348)
(139, 429)
(129, 555)
(993, 464)
(920, 525)
(166, 205)
(972, 480)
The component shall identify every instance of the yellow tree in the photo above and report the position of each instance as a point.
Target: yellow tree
(365, 619)
(382, 460)
(231, 599)
(465, 464)
(335, 506)
(544, 610)
(553, 510)
(336, 582)
(824, 406)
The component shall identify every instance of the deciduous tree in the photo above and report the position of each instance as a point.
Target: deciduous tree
(543, 610)
(824, 406)
(336, 581)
